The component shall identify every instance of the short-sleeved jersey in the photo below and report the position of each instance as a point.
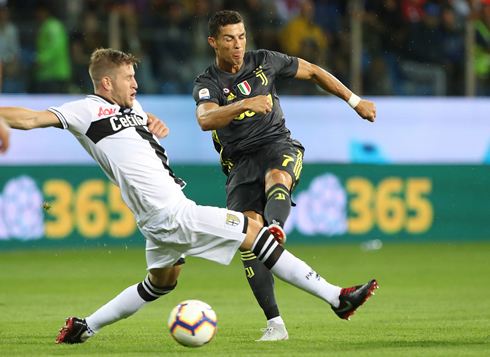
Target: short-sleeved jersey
(131, 157)
(249, 131)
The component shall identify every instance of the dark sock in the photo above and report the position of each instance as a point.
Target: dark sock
(278, 205)
(261, 281)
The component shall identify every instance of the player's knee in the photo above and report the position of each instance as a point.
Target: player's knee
(276, 176)
(166, 276)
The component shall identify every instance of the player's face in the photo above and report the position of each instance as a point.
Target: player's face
(124, 86)
(230, 47)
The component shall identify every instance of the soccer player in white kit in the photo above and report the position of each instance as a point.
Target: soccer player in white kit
(122, 139)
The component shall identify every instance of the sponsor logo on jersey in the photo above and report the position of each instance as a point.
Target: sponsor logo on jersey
(259, 72)
(106, 112)
(230, 95)
(245, 88)
(232, 220)
(105, 127)
(125, 121)
(204, 94)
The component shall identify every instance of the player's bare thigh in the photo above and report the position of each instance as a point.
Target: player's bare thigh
(255, 216)
(253, 230)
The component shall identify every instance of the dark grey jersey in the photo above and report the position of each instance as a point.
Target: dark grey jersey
(249, 131)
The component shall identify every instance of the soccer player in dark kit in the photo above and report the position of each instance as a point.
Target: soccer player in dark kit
(236, 98)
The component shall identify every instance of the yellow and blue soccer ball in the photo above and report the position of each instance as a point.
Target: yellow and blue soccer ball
(192, 323)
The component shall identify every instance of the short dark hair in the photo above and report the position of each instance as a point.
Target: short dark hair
(221, 19)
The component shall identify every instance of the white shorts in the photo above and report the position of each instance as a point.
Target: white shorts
(188, 229)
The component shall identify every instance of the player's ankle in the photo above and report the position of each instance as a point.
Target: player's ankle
(275, 320)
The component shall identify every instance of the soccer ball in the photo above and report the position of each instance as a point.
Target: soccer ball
(192, 323)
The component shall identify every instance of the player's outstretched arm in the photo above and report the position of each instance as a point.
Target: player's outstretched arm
(4, 135)
(26, 119)
(211, 116)
(329, 83)
(157, 127)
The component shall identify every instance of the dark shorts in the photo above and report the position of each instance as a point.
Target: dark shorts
(245, 187)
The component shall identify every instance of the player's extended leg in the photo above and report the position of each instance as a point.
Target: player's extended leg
(261, 282)
(278, 205)
(158, 282)
(287, 267)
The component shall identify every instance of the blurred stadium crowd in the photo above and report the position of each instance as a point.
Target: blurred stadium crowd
(409, 47)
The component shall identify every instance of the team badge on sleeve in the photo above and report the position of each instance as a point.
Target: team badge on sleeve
(204, 94)
(232, 220)
(245, 88)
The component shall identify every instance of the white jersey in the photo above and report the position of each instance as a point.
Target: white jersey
(131, 157)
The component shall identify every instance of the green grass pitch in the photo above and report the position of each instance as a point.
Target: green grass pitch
(434, 300)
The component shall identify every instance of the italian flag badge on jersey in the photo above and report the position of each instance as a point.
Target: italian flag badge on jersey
(245, 88)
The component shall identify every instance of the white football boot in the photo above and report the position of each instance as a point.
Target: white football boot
(274, 332)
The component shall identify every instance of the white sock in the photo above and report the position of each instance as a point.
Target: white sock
(296, 272)
(292, 270)
(122, 306)
(275, 320)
